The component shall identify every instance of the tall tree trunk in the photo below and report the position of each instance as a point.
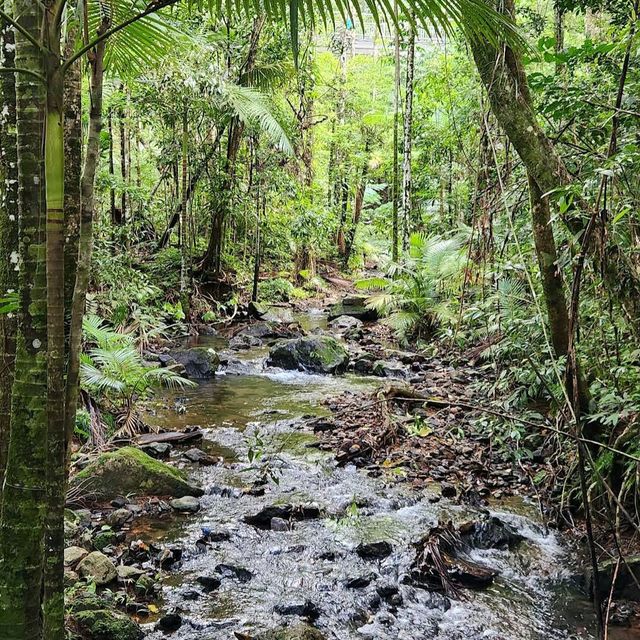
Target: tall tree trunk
(396, 137)
(502, 72)
(24, 498)
(72, 159)
(184, 248)
(123, 162)
(53, 605)
(211, 261)
(559, 34)
(8, 235)
(358, 205)
(116, 216)
(92, 157)
(408, 143)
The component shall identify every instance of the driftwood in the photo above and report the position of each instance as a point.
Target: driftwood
(176, 437)
(439, 565)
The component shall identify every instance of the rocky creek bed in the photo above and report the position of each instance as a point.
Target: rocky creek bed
(283, 536)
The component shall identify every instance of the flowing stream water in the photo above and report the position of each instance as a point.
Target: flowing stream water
(312, 566)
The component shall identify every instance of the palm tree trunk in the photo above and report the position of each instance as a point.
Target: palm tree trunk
(408, 143)
(24, 504)
(8, 236)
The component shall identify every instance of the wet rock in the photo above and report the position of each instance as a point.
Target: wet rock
(297, 632)
(118, 502)
(447, 490)
(363, 366)
(374, 550)
(97, 568)
(244, 341)
(279, 524)
(158, 450)
(262, 519)
(200, 363)
(188, 504)
(231, 571)
(170, 622)
(360, 582)
(215, 536)
(105, 624)
(345, 323)
(126, 572)
(131, 471)
(73, 555)
(301, 608)
(386, 591)
(355, 306)
(490, 533)
(625, 586)
(119, 517)
(105, 539)
(384, 369)
(199, 456)
(318, 354)
(208, 583)
(169, 556)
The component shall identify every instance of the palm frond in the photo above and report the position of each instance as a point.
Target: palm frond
(167, 378)
(252, 108)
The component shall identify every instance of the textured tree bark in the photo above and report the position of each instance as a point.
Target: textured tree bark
(408, 143)
(8, 235)
(358, 205)
(72, 161)
(24, 497)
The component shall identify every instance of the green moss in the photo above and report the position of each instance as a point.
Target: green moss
(131, 471)
(104, 624)
(294, 442)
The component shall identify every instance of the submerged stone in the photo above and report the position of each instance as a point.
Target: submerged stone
(298, 632)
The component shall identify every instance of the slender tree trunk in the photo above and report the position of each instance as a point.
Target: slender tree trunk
(92, 157)
(72, 160)
(211, 262)
(258, 243)
(24, 497)
(408, 144)
(8, 235)
(559, 33)
(358, 205)
(184, 248)
(502, 72)
(123, 163)
(396, 137)
(116, 216)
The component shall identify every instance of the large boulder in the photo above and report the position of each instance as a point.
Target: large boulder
(200, 363)
(318, 354)
(97, 568)
(131, 471)
(353, 305)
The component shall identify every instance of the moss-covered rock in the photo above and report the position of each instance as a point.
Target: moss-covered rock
(105, 539)
(97, 568)
(131, 471)
(319, 354)
(299, 632)
(105, 624)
